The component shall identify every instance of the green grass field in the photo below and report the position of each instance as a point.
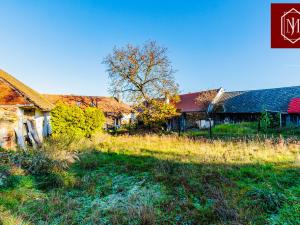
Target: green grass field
(244, 129)
(152, 180)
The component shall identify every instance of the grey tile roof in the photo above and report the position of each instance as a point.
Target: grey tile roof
(256, 101)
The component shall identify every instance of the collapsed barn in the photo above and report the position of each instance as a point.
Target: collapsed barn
(24, 114)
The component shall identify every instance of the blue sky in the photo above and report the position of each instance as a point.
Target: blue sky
(57, 46)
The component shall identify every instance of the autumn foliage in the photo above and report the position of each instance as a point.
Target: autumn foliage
(157, 113)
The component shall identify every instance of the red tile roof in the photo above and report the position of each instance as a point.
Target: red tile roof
(188, 102)
(106, 104)
(294, 106)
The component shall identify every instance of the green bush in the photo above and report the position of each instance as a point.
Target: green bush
(268, 121)
(39, 162)
(94, 121)
(55, 155)
(56, 180)
(265, 121)
(75, 121)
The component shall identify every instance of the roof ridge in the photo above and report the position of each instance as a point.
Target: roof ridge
(75, 95)
(197, 92)
(28, 92)
(264, 89)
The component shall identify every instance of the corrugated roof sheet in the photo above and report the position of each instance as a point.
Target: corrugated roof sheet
(37, 99)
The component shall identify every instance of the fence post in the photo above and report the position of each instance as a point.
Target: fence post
(210, 130)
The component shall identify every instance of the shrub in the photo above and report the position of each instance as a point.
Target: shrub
(265, 121)
(56, 180)
(94, 121)
(48, 165)
(38, 162)
(75, 121)
(54, 156)
(67, 120)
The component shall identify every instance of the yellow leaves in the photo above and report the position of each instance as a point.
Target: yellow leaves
(157, 111)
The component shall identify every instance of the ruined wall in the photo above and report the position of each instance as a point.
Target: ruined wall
(15, 111)
(8, 122)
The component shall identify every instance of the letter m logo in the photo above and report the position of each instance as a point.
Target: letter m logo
(290, 26)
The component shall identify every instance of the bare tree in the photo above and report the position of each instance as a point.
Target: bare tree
(141, 74)
(205, 98)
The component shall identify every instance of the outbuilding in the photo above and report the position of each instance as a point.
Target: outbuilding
(24, 113)
(194, 108)
(239, 106)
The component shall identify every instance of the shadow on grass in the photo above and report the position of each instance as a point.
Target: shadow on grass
(128, 189)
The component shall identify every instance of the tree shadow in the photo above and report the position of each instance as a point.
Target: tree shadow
(196, 193)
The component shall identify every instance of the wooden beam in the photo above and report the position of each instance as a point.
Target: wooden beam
(280, 119)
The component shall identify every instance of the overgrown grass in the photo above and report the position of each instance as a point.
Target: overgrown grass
(245, 129)
(238, 129)
(156, 180)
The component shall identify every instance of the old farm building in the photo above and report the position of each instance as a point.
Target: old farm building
(248, 105)
(116, 112)
(24, 113)
(237, 106)
(194, 108)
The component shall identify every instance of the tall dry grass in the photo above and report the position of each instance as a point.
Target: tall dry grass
(153, 179)
(183, 149)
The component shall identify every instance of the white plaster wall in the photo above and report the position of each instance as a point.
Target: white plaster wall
(202, 124)
(127, 117)
(39, 122)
